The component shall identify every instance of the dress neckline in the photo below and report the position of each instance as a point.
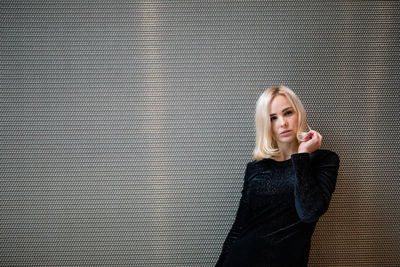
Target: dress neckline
(281, 161)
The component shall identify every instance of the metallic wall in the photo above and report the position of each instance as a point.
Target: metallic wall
(126, 125)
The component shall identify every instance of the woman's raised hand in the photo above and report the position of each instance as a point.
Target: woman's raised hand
(312, 141)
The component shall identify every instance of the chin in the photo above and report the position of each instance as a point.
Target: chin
(288, 139)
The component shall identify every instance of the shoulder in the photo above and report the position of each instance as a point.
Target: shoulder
(251, 165)
(325, 156)
(256, 164)
(252, 168)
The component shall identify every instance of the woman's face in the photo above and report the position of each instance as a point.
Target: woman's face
(283, 120)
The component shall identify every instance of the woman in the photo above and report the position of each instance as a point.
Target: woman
(286, 188)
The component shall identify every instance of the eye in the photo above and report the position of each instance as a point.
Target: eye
(288, 112)
(273, 118)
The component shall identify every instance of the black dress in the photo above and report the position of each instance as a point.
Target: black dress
(280, 205)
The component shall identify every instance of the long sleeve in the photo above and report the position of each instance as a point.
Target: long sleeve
(315, 182)
(242, 215)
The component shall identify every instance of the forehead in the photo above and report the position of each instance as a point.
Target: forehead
(278, 103)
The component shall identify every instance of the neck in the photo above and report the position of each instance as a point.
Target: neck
(286, 150)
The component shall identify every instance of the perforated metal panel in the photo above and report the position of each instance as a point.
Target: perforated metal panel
(126, 126)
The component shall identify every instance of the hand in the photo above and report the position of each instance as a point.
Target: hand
(312, 141)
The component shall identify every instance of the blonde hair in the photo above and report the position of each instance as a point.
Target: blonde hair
(266, 146)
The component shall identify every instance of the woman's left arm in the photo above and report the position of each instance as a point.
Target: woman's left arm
(315, 183)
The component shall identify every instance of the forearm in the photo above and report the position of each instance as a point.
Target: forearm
(313, 186)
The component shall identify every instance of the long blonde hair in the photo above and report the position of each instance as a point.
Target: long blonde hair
(266, 146)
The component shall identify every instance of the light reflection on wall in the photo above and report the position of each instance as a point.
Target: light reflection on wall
(159, 226)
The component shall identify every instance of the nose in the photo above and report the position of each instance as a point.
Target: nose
(283, 122)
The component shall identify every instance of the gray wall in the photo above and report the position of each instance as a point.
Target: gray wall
(126, 126)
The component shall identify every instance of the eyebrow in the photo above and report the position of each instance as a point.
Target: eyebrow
(283, 110)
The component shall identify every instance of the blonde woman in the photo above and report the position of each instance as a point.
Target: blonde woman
(287, 187)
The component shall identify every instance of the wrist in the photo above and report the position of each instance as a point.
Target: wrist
(303, 151)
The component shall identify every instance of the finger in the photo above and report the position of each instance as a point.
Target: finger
(310, 136)
(319, 139)
(314, 135)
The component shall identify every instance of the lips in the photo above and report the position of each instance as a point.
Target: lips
(285, 132)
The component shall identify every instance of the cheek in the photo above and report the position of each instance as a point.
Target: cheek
(294, 121)
(274, 128)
